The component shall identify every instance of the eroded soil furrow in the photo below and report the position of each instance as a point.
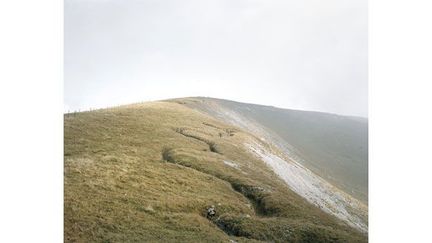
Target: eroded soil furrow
(251, 193)
(212, 145)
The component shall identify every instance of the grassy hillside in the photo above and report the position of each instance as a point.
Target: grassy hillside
(334, 147)
(148, 172)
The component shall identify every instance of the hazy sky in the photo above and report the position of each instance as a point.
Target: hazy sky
(308, 54)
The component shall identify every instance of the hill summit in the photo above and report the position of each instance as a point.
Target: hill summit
(208, 170)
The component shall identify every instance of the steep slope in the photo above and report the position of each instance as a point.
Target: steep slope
(148, 172)
(332, 146)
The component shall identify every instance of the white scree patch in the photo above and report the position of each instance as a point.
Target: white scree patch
(313, 188)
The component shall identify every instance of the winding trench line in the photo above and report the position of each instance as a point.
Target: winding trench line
(212, 145)
(247, 191)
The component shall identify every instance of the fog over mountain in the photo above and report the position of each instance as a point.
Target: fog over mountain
(308, 55)
(335, 147)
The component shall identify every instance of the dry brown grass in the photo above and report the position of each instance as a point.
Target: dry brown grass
(131, 176)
